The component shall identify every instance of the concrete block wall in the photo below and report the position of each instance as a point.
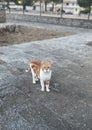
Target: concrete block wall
(2, 16)
(83, 23)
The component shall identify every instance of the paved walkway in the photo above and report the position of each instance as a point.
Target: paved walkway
(69, 104)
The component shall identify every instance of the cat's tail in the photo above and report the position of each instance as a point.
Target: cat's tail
(27, 70)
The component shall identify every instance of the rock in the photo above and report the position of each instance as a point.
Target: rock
(81, 65)
(10, 28)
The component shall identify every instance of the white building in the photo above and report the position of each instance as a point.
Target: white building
(70, 6)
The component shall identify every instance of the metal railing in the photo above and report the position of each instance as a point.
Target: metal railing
(65, 10)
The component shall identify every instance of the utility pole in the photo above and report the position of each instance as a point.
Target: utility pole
(61, 8)
(40, 7)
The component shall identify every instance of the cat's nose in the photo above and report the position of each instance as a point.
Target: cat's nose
(48, 70)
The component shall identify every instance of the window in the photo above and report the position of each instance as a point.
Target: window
(67, 3)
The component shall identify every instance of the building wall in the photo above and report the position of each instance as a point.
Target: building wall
(71, 6)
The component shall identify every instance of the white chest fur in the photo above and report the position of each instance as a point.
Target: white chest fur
(45, 75)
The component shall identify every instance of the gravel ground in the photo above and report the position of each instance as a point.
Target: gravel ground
(68, 106)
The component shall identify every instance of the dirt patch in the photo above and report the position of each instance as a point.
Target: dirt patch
(89, 43)
(26, 34)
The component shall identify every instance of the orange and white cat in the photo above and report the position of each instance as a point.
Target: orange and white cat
(41, 70)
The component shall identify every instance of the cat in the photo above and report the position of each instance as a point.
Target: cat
(41, 71)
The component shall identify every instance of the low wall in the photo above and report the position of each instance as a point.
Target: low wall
(83, 23)
(2, 16)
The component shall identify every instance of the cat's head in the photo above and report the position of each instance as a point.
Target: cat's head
(46, 66)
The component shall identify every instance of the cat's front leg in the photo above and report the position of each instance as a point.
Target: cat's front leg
(42, 85)
(47, 86)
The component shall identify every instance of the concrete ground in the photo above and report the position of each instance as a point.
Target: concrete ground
(68, 106)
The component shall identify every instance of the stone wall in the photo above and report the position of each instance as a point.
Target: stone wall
(2, 16)
(83, 23)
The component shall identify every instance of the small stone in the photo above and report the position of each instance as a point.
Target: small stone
(81, 65)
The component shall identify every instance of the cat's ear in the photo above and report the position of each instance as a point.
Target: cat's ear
(50, 62)
(32, 66)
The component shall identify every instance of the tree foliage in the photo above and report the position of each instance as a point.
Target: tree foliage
(84, 3)
(23, 2)
(57, 1)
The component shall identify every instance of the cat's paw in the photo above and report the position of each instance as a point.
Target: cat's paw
(48, 90)
(34, 82)
(42, 90)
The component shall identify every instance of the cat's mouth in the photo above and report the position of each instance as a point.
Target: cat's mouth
(46, 71)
